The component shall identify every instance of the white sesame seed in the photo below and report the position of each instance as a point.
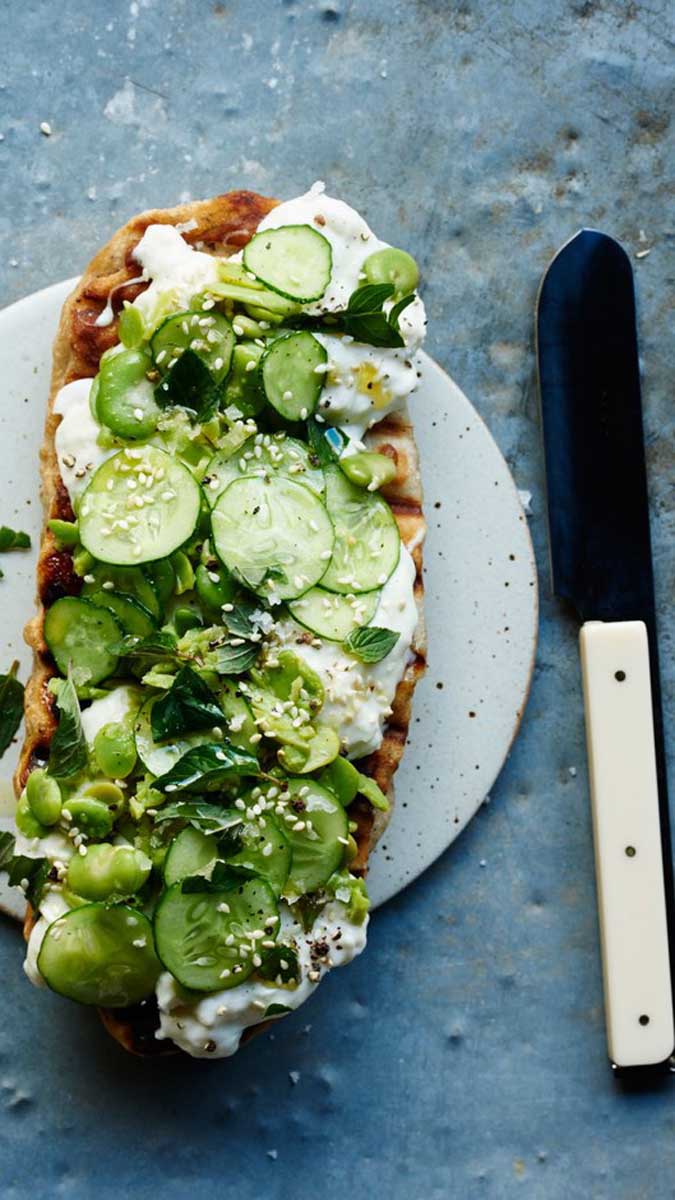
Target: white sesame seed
(251, 366)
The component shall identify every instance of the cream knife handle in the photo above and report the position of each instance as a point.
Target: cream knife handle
(627, 837)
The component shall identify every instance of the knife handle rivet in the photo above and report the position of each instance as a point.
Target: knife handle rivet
(630, 851)
(619, 676)
(644, 1019)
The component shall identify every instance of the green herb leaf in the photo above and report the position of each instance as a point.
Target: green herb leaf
(159, 645)
(239, 620)
(232, 660)
(370, 643)
(369, 298)
(11, 706)
(190, 384)
(187, 707)
(326, 442)
(11, 539)
(7, 841)
(282, 960)
(208, 818)
(276, 1010)
(398, 308)
(31, 872)
(204, 768)
(224, 878)
(68, 752)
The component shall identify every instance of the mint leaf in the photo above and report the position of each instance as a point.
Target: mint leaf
(224, 878)
(33, 872)
(11, 706)
(6, 848)
(205, 768)
(208, 818)
(68, 752)
(369, 643)
(186, 708)
(12, 539)
(190, 384)
(283, 961)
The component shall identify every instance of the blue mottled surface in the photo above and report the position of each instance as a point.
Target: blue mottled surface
(463, 1055)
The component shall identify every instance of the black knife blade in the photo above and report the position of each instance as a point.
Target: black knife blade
(591, 408)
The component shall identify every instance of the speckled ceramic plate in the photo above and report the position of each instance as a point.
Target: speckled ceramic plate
(481, 597)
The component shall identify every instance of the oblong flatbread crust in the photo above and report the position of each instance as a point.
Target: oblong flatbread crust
(220, 226)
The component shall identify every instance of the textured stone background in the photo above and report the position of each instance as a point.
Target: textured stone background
(463, 1056)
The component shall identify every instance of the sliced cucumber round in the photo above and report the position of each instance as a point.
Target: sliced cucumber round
(293, 260)
(125, 398)
(273, 534)
(189, 853)
(288, 370)
(131, 581)
(274, 454)
(331, 615)
(238, 716)
(100, 955)
(316, 848)
(140, 506)
(160, 757)
(132, 616)
(208, 334)
(204, 938)
(367, 540)
(265, 850)
(82, 636)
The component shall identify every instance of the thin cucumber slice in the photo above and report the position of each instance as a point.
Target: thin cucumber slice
(163, 579)
(204, 938)
(274, 454)
(125, 398)
(273, 534)
(132, 616)
(189, 854)
(238, 716)
(208, 334)
(160, 757)
(265, 850)
(128, 525)
(367, 540)
(100, 955)
(294, 260)
(81, 636)
(288, 371)
(317, 850)
(131, 581)
(331, 615)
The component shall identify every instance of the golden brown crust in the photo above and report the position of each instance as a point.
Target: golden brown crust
(223, 225)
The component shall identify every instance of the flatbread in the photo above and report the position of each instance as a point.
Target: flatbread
(220, 227)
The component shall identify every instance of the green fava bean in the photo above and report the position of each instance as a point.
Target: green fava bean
(44, 797)
(26, 823)
(184, 619)
(108, 793)
(214, 588)
(368, 469)
(107, 870)
(91, 816)
(126, 400)
(393, 266)
(115, 750)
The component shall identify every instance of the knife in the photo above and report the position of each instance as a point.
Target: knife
(589, 383)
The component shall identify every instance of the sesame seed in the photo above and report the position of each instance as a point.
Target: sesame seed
(138, 413)
(250, 366)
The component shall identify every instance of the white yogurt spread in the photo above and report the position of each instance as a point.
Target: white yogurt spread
(77, 450)
(176, 270)
(52, 906)
(212, 1026)
(359, 695)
